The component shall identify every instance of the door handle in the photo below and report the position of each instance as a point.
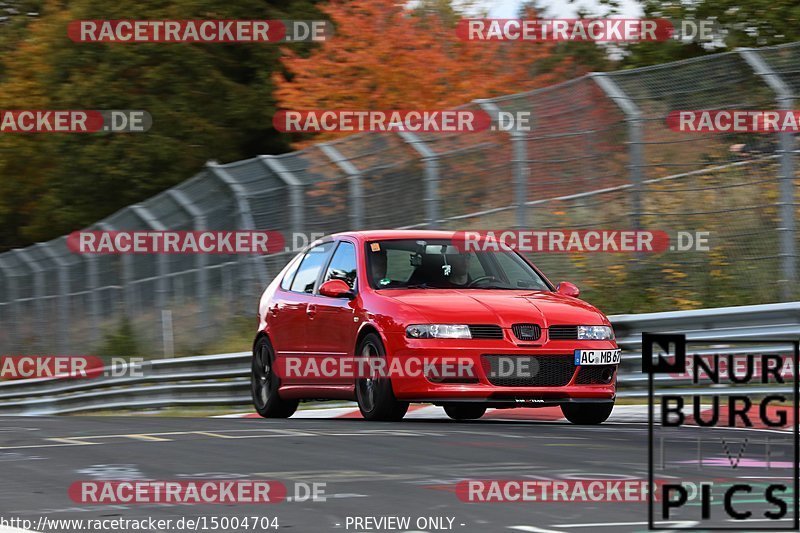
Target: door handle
(274, 309)
(311, 310)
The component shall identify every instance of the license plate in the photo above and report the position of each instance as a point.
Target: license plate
(597, 357)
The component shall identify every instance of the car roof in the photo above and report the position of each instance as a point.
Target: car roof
(388, 235)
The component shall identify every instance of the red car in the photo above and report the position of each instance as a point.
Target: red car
(413, 304)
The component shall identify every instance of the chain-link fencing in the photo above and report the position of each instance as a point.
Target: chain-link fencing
(598, 155)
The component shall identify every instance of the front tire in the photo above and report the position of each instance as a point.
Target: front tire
(464, 411)
(264, 384)
(587, 414)
(375, 396)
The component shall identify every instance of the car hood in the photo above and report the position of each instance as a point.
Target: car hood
(476, 306)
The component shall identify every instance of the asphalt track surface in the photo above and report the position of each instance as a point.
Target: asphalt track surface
(370, 469)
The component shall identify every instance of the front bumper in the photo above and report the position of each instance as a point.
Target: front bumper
(482, 389)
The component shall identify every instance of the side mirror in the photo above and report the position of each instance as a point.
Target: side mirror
(336, 288)
(568, 289)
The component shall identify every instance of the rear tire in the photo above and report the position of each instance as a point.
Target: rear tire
(464, 411)
(375, 396)
(587, 413)
(264, 384)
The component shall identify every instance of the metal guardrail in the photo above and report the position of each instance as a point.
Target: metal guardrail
(223, 379)
(186, 381)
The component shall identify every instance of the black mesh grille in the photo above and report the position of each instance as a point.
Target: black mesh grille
(527, 332)
(563, 332)
(485, 331)
(528, 370)
(595, 375)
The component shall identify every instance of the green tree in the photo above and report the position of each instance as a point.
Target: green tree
(746, 23)
(208, 101)
(582, 57)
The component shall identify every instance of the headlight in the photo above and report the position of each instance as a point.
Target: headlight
(595, 333)
(438, 331)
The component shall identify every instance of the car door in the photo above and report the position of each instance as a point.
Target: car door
(332, 328)
(292, 313)
(275, 315)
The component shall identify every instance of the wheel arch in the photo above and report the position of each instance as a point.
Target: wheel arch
(366, 329)
(260, 335)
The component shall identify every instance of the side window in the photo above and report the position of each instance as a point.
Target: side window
(343, 264)
(309, 269)
(286, 282)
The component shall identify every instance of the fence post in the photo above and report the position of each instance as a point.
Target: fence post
(37, 274)
(633, 117)
(64, 314)
(126, 276)
(253, 265)
(11, 301)
(199, 222)
(519, 161)
(94, 297)
(431, 161)
(296, 200)
(784, 99)
(354, 182)
(146, 216)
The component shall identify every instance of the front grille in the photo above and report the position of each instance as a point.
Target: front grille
(528, 370)
(596, 375)
(485, 331)
(527, 332)
(563, 333)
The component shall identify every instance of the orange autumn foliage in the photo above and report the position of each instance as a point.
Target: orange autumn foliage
(383, 56)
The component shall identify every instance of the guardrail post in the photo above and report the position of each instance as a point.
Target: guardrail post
(64, 314)
(355, 188)
(633, 117)
(431, 161)
(519, 161)
(784, 99)
(199, 222)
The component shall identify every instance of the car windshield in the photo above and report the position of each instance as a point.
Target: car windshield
(438, 264)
